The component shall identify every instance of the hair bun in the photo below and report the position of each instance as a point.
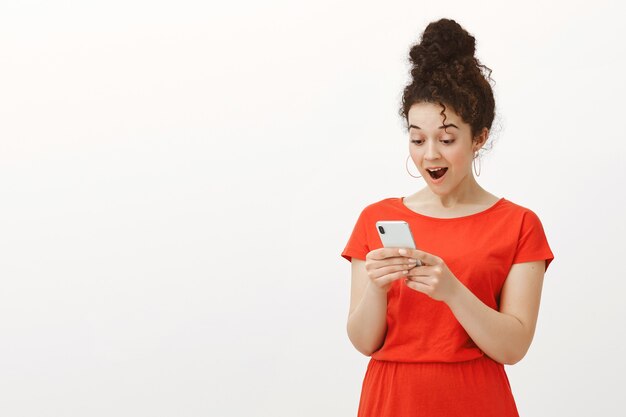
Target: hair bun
(445, 71)
(443, 41)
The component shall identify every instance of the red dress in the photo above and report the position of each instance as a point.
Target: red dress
(428, 365)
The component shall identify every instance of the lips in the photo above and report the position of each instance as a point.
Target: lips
(437, 173)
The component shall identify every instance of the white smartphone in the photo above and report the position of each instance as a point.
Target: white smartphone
(396, 234)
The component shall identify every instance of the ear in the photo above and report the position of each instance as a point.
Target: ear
(481, 139)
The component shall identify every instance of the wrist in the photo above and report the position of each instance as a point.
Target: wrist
(371, 287)
(456, 293)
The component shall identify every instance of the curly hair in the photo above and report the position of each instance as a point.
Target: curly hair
(444, 71)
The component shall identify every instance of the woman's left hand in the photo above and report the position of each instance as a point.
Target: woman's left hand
(434, 278)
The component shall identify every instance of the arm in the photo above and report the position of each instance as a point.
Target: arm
(367, 319)
(505, 336)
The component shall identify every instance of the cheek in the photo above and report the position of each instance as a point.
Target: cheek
(459, 159)
(416, 155)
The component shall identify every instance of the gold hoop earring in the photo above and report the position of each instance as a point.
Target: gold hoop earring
(479, 164)
(406, 164)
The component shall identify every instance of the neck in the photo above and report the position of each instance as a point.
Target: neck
(467, 191)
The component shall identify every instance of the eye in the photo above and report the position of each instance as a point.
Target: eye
(444, 141)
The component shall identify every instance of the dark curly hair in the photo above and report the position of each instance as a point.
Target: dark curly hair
(444, 71)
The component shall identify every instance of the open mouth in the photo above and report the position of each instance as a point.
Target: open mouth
(437, 173)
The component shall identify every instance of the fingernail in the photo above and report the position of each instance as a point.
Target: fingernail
(402, 251)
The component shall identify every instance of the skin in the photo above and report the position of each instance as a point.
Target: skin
(503, 335)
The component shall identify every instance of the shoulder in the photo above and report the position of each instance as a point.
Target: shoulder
(380, 205)
(518, 209)
(521, 217)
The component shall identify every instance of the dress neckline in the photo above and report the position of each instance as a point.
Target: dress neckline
(400, 201)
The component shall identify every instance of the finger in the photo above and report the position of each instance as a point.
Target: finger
(425, 257)
(424, 279)
(388, 265)
(385, 253)
(389, 270)
(403, 254)
(422, 270)
(381, 253)
(418, 286)
(389, 256)
(427, 281)
(386, 279)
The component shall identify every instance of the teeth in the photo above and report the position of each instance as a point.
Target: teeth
(433, 170)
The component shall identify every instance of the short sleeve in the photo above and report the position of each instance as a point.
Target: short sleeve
(357, 246)
(532, 244)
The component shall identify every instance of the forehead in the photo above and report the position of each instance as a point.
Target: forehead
(428, 116)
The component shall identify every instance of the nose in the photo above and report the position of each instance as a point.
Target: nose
(432, 153)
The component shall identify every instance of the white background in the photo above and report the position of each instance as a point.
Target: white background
(178, 180)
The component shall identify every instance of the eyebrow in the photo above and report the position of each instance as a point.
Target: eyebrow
(440, 127)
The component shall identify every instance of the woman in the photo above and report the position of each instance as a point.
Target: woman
(439, 334)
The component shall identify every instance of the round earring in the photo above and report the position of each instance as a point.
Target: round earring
(479, 165)
(406, 164)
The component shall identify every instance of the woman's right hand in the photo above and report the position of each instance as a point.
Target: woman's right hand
(385, 265)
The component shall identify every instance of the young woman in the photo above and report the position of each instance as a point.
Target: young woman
(440, 334)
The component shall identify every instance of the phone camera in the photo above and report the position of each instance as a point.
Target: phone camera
(382, 230)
